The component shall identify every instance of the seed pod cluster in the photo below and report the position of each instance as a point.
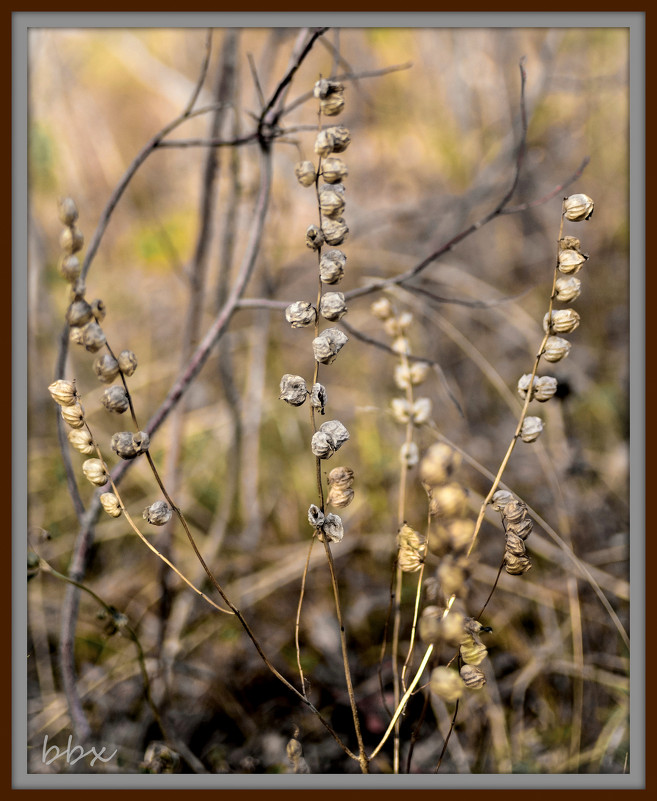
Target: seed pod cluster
(329, 527)
(517, 527)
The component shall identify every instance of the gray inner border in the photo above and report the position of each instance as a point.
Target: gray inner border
(21, 22)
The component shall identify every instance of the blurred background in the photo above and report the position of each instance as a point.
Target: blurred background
(433, 150)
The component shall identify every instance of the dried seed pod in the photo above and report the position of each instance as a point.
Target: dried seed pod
(332, 306)
(318, 397)
(546, 386)
(569, 243)
(81, 440)
(328, 344)
(63, 392)
(79, 313)
(563, 321)
(334, 170)
(516, 565)
(301, 313)
(158, 513)
(322, 445)
(473, 628)
(571, 261)
(340, 136)
(396, 326)
(332, 105)
(402, 346)
(412, 549)
(315, 516)
(567, 289)
(68, 211)
(473, 653)
(73, 415)
(409, 454)
(556, 349)
(452, 628)
(325, 143)
(331, 266)
(305, 173)
(115, 399)
(106, 368)
(335, 231)
(77, 290)
(110, 504)
(522, 528)
(473, 677)
(325, 87)
(99, 310)
(71, 240)
(331, 200)
(70, 268)
(294, 750)
(421, 411)
(340, 497)
(440, 462)
(430, 624)
(95, 471)
(336, 431)
(577, 207)
(500, 499)
(128, 445)
(452, 574)
(382, 309)
(515, 545)
(127, 362)
(449, 500)
(402, 375)
(332, 530)
(531, 429)
(524, 383)
(93, 337)
(401, 410)
(418, 371)
(341, 477)
(293, 389)
(446, 684)
(314, 237)
(514, 511)
(75, 335)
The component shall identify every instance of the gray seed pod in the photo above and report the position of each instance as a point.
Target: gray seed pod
(546, 386)
(93, 337)
(79, 313)
(331, 266)
(335, 231)
(325, 87)
(318, 397)
(516, 565)
(106, 368)
(340, 497)
(322, 445)
(314, 237)
(71, 240)
(293, 389)
(514, 511)
(300, 314)
(94, 470)
(81, 440)
(341, 477)
(324, 143)
(332, 530)
(332, 306)
(158, 513)
(332, 200)
(336, 431)
(315, 516)
(523, 528)
(500, 500)
(110, 504)
(515, 545)
(70, 268)
(531, 429)
(73, 415)
(578, 207)
(562, 321)
(305, 173)
(571, 261)
(127, 362)
(340, 136)
(63, 392)
(334, 170)
(567, 289)
(556, 349)
(68, 211)
(473, 677)
(75, 335)
(99, 309)
(128, 445)
(328, 344)
(115, 399)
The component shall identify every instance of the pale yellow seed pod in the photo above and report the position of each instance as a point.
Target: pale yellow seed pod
(81, 440)
(95, 471)
(449, 500)
(63, 392)
(571, 261)
(577, 207)
(305, 173)
(68, 212)
(440, 462)
(531, 429)
(73, 415)
(563, 321)
(334, 170)
(127, 362)
(110, 504)
(382, 309)
(446, 684)
(332, 105)
(567, 289)
(460, 534)
(556, 349)
(473, 677)
(473, 653)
